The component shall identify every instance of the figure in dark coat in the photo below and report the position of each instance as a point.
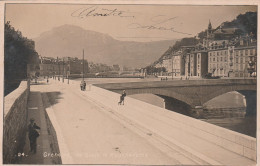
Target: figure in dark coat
(122, 98)
(33, 135)
(83, 85)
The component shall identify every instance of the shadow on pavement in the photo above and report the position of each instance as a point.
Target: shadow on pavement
(39, 83)
(53, 98)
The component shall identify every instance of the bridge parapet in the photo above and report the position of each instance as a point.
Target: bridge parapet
(176, 83)
(192, 92)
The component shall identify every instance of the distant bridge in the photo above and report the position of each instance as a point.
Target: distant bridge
(190, 94)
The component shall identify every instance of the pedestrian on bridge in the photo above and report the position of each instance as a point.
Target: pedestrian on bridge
(122, 98)
(33, 135)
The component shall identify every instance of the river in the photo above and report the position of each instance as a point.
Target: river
(234, 100)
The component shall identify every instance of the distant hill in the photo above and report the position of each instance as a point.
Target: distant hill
(178, 44)
(69, 40)
(247, 23)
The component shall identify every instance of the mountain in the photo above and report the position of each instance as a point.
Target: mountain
(69, 40)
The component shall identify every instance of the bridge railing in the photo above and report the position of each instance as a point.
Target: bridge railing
(154, 84)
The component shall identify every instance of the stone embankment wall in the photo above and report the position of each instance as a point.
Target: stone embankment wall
(15, 120)
(238, 143)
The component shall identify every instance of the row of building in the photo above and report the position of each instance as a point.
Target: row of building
(62, 66)
(68, 66)
(225, 57)
(49, 66)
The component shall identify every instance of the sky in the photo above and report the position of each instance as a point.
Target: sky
(123, 22)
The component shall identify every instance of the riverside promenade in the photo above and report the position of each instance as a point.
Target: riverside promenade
(91, 128)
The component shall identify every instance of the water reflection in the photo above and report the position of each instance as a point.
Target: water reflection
(232, 100)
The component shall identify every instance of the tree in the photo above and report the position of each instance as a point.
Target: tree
(18, 53)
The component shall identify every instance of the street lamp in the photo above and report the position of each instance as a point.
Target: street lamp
(68, 71)
(172, 67)
(251, 67)
(58, 68)
(83, 83)
(63, 69)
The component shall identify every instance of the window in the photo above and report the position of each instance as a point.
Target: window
(217, 59)
(246, 52)
(225, 52)
(213, 59)
(236, 53)
(210, 54)
(225, 59)
(236, 60)
(221, 59)
(251, 52)
(217, 53)
(241, 67)
(241, 60)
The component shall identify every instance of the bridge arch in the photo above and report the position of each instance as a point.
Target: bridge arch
(223, 90)
(192, 96)
(162, 92)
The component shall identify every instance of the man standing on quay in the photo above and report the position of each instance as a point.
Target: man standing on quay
(33, 135)
(122, 98)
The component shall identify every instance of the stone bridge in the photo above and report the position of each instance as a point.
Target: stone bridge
(190, 94)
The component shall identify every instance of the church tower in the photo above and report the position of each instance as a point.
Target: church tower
(209, 31)
(209, 36)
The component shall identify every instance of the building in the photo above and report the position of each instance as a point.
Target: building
(201, 65)
(49, 69)
(218, 62)
(193, 64)
(187, 64)
(242, 61)
(224, 52)
(196, 63)
(65, 66)
(177, 64)
(116, 67)
(167, 64)
(232, 61)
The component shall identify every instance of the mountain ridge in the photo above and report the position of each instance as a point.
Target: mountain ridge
(70, 40)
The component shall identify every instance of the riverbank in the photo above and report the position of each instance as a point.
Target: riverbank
(231, 100)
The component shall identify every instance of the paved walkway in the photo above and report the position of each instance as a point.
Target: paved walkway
(88, 134)
(36, 111)
(93, 129)
(161, 125)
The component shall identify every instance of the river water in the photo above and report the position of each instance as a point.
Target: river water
(234, 100)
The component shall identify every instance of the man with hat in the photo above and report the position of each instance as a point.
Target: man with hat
(33, 135)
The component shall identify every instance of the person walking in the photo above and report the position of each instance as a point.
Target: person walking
(122, 98)
(83, 85)
(33, 135)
